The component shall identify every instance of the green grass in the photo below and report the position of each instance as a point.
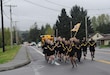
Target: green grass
(104, 46)
(9, 54)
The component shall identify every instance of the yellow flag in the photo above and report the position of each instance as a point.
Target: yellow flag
(76, 27)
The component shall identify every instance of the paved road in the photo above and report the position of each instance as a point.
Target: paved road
(39, 66)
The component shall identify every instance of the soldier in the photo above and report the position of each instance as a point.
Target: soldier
(78, 49)
(65, 46)
(60, 49)
(45, 49)
(92, 45)
(72, 53)
(84, 45)
(56, 47)
(51, 52)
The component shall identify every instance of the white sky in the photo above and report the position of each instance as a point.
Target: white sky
(47, 11)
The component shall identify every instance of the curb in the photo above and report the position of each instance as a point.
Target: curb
(14, 67)
(17, 65)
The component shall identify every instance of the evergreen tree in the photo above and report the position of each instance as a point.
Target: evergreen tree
(48, 29)
(24, 36)
(34, 34)
(42, 31)
(78, 14)
(63, 25)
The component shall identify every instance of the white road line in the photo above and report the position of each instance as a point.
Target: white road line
(56, 63)
(38, 51)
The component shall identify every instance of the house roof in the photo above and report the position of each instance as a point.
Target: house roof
(105, 35)
(105, 38)
(91, 35)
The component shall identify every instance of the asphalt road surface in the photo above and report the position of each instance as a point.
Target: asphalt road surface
(38, 66)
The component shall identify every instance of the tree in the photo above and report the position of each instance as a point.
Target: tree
(78, 14)
(94, 23)
(101, 23)
(7, 36)
(0, 38)
(48, 30)
(24, 36)
(104, 28)
(14, 34)
(34, 34)
(63, 25)
(42, 31)
(103, 19)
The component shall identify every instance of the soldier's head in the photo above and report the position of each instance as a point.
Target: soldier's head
(63, 39)
(58, 38)
(51, 42)
(84, 38)
(66, 42)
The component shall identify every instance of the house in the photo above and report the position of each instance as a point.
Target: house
(96, 36)
(101, 39)
(105, 40)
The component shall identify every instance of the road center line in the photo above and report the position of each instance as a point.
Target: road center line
(43, 54)
(103, 61)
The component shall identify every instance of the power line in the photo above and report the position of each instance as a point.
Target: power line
(70, 7)
(100, 9)
(41, 5)
(6, 15)
(103, 9)
(6, 2)
(56, 4)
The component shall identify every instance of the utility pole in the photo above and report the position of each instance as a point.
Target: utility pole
(2, 22)
(86, 27)
(11, 30)
(56, 32)
(16, 31)
(71, 28)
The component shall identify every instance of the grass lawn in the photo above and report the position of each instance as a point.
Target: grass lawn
(104, 46)
(9, 53)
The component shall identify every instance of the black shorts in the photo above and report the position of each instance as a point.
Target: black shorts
(50, 53)
(45, 51)
(61, 52)
(71, 54)
(92, 49)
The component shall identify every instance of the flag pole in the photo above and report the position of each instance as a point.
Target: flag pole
(71, 28)
(75, 34)
(86, 26)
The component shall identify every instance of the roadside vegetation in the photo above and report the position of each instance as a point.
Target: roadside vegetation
(105, 46)
(9, 54)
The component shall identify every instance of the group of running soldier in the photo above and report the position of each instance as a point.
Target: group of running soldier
(64, 50)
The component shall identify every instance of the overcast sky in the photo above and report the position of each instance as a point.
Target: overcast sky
(28, 12)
